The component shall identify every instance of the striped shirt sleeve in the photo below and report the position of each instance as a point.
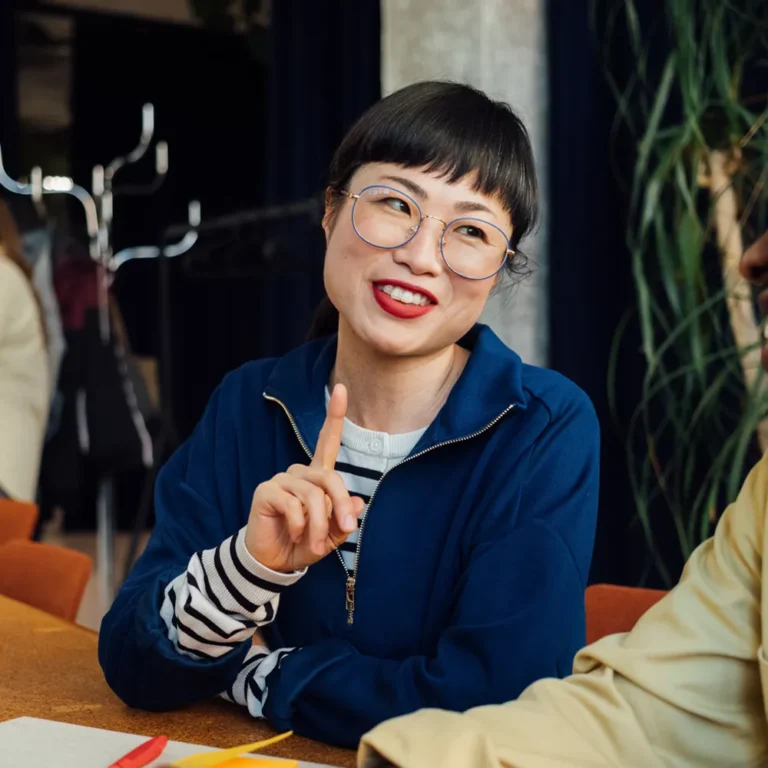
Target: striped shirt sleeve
(221, 599)
(250, 688)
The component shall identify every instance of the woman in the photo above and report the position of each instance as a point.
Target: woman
(24, 379)
(420, 503)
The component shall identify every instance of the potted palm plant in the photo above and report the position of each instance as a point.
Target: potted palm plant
(699, 120)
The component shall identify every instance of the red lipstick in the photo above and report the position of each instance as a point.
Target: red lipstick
(398, 308)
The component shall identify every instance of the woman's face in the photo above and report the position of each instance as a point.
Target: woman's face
(360, 278)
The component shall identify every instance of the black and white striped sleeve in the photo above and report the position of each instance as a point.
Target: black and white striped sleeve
(221, 599)
(250, 688)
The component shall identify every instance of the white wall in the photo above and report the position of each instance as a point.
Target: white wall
(499, 47)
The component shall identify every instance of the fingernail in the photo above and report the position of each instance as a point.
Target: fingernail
(349, 523)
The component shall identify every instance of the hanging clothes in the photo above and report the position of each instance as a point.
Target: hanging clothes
(105, 406)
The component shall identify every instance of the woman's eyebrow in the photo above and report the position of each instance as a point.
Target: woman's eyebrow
(412, 186)
(469, 206)
(466, 206)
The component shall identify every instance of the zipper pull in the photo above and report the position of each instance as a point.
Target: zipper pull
(350, 599)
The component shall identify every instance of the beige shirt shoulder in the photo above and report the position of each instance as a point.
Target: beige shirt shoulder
(24, 383)
(685, 688)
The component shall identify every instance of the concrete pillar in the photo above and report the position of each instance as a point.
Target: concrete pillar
(498, 46)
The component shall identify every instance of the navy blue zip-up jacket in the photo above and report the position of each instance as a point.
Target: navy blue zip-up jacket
(472, 567)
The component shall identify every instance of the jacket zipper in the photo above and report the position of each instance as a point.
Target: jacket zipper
(351, 580)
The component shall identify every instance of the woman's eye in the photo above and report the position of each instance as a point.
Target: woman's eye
(468, 230)
(398, 205)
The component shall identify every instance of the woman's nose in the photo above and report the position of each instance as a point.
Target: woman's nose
(422, 253)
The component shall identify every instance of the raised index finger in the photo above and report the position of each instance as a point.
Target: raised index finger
(329, 441)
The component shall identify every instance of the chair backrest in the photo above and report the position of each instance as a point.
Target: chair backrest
(612, 609)
(17, 520)
(44, 576)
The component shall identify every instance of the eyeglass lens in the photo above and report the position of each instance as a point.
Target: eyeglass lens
(387, 218)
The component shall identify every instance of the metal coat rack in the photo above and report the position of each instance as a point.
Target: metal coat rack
(98, 208)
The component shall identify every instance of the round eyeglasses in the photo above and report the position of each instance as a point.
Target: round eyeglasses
(385, 217)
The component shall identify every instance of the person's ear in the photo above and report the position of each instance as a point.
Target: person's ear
(330, 213)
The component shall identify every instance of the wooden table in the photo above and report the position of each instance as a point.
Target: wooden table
(49, 669)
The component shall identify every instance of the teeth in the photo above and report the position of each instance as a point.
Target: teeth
(404, 296)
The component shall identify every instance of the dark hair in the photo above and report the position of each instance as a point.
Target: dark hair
(451, 129)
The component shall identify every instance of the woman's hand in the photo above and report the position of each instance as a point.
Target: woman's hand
(301, 515)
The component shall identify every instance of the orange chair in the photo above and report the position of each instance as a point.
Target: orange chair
(17, 520)
(612, 609)
(44, 576)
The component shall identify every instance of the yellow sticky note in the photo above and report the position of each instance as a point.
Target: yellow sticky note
(258, 762)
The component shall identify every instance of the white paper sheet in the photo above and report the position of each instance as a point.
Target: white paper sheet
(28, 742)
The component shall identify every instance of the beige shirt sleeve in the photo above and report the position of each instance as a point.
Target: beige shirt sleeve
(682, 689)
(24, 384)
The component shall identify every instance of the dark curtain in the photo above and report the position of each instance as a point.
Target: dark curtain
(321, 71)
(208, 93)
(324, 72)
(590, 279)
(9, 109)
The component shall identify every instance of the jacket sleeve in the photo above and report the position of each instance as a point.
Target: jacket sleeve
(683, 688)
(182, 623)
(518, 614)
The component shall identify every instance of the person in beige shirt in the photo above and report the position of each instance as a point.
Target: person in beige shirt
(24, 376)
(687, 687)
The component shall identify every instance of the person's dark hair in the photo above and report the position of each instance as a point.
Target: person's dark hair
(445, 128)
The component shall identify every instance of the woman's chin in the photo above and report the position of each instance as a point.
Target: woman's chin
(392, 345)
(393, 338)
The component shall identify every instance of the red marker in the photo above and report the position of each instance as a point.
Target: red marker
(144, 754)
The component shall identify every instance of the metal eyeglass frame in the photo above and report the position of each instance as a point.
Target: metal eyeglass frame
(509, 251)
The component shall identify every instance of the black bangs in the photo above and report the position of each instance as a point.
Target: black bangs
(452, 130)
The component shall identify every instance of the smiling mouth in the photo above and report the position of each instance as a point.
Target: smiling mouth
(404, 303)
(404, 296)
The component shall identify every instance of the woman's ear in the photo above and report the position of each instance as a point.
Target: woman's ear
(330, 213)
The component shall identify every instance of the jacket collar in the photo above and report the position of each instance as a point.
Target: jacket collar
(490, 383)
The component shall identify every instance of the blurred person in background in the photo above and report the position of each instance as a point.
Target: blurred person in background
(25, 385)
(474, 477)
(686, 688)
